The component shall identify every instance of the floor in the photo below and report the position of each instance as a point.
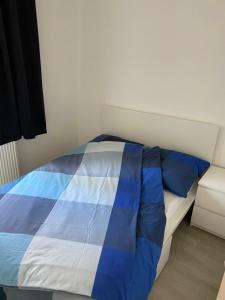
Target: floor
(195, 267)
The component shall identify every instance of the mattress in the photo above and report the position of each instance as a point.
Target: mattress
(176, 208)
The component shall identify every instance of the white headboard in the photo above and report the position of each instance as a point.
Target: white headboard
(193, 137)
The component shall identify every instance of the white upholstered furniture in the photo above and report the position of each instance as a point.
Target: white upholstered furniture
(209, 209)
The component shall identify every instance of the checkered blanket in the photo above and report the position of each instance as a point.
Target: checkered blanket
(90, 222)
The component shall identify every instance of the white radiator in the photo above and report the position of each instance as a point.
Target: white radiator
(9, 169)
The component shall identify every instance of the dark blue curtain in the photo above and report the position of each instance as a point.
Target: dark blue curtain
(21, 96)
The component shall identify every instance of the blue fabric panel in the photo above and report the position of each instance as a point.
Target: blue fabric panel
(151, 157)
(130, 177)
(42, 184)
(23, 214)
(5, 188)
(80, 222)
(121, 220)
(152, 219)
(96, 164)
(95, 190)
(113, 278)
(127, 194)
(115, 266)
(152, 191)
(145, 264)
(65, 164)
(150, 228)
(151, 222)
(123, 276)
(13, 248)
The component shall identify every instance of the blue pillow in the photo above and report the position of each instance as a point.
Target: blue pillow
(179, 170)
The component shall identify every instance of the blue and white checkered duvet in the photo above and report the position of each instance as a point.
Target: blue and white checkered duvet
(90, 222)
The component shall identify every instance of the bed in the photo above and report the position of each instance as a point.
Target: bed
(152, 129)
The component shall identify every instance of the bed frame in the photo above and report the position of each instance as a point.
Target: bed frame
(193, 137)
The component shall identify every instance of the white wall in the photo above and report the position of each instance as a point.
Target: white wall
(154, 55)
(58, 22)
